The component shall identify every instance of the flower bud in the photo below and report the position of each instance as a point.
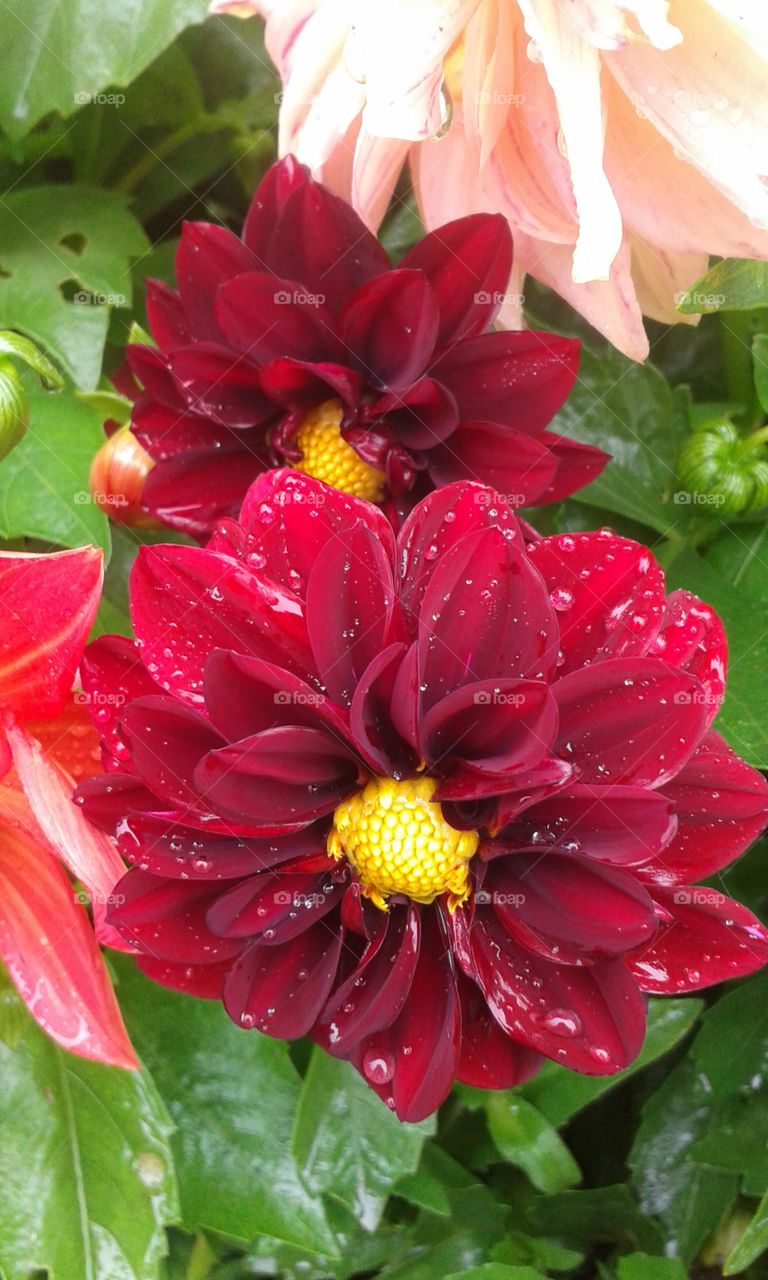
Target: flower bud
(726, 471)
(14, 409)
(117, 475)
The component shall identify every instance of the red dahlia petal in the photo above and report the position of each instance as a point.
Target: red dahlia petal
(291, 517)
(577, 465)
(276, 907)
(112, 674)
(220, 384)
(490, 1059)
(286, 776)
(153, 372)
(208, 256)
(708, 939)
(519, 379)
(166, 919)
(494, 725)
(280, 990)
(167, 432)
(518, 467)
(202, 980)
(167, 318)
(244, 696)
(265, 317)
(485, 615)
(390, 327)
(186, 602)
(319, 238)
(350, 624)
(301, 384)
(608, 592)
(420, 417)
(106, 799)
(468, 263)
(193, 491)
(590, 1019)
(164, 847)
(374, 992)
(629, 720)
(166, 740)
(693, 637)
(373, 715)
(624, 825)
(279, 182)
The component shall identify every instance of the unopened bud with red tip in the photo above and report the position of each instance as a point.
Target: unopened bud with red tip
(117, 476)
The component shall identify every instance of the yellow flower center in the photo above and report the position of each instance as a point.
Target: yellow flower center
(395, 837)
(327, 456)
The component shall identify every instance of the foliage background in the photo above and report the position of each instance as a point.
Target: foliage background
(229, 1155)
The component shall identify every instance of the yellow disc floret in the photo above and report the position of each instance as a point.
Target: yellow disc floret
(395, 837)
(327, 456)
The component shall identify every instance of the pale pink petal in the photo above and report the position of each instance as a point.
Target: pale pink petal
(604, 23)
(660, 278)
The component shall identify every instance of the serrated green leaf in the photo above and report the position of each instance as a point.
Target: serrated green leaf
(347, 1143)
(58, 241)
(90, 1197)
(529, 1142)
(559, 1094)
(233, 1096)
(736, 284)
(59, 54)
(44, 491)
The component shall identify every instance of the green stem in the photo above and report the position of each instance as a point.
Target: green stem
(143, 167)
(737, 328)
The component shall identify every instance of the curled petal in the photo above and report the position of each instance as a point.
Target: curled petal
(706, 939)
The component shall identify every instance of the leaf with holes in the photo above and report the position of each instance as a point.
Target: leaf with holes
(65, 256)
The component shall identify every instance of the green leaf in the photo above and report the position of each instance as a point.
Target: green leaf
(426, 1186)
(559, 1094)
(85, 1165)
(529, 1142)
(59, 54)
(44, 490)
(15, 344)
(736, 284)
(760, 363)
(600, 1214)
(753, 1242)
(630, 411)
(731, 1050)
(639, 1266)
(497, 1271)
(742, 719)
(347, 1143)
(64, 263)
(233, 1095)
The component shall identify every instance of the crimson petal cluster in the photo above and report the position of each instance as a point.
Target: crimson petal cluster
(306, 310)
(558, 698)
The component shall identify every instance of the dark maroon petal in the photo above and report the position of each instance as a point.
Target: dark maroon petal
(590, 1019)
(186, 602)
(567, 908)
(112, 675)
(165, 847)
(208, 256)
(486, 614)
(193, 492)
(220, 384)
(519, 467)
(300, 384)
(289, 775)
(390, 327)
(167, 318)
(629, 720)
(577, 465)
(436, 524)
(277, 907)
(280, 990)
(420, 417)
(166, 740)
(608, 593)
(707, 938)
(372, 720)
(106, 799)
(624, 825)
(414, 1061)
(153, 372)
(693, 637)
(291, 517)
(721, 804)
(166, 919)
(244, 696)
(468, 263)
(265, 317)
(374, 993)
(351, 610)
(517, 789)
(279, 182)
(494, 725)
(489, 1058)
(202, 980)
(520, 379)
(320, 240)
(166, 432)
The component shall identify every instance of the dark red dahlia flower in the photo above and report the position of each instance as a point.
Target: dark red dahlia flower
(300, 343)
(435, 801)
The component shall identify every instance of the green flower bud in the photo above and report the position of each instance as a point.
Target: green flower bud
(14, 409)
(723, 472)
